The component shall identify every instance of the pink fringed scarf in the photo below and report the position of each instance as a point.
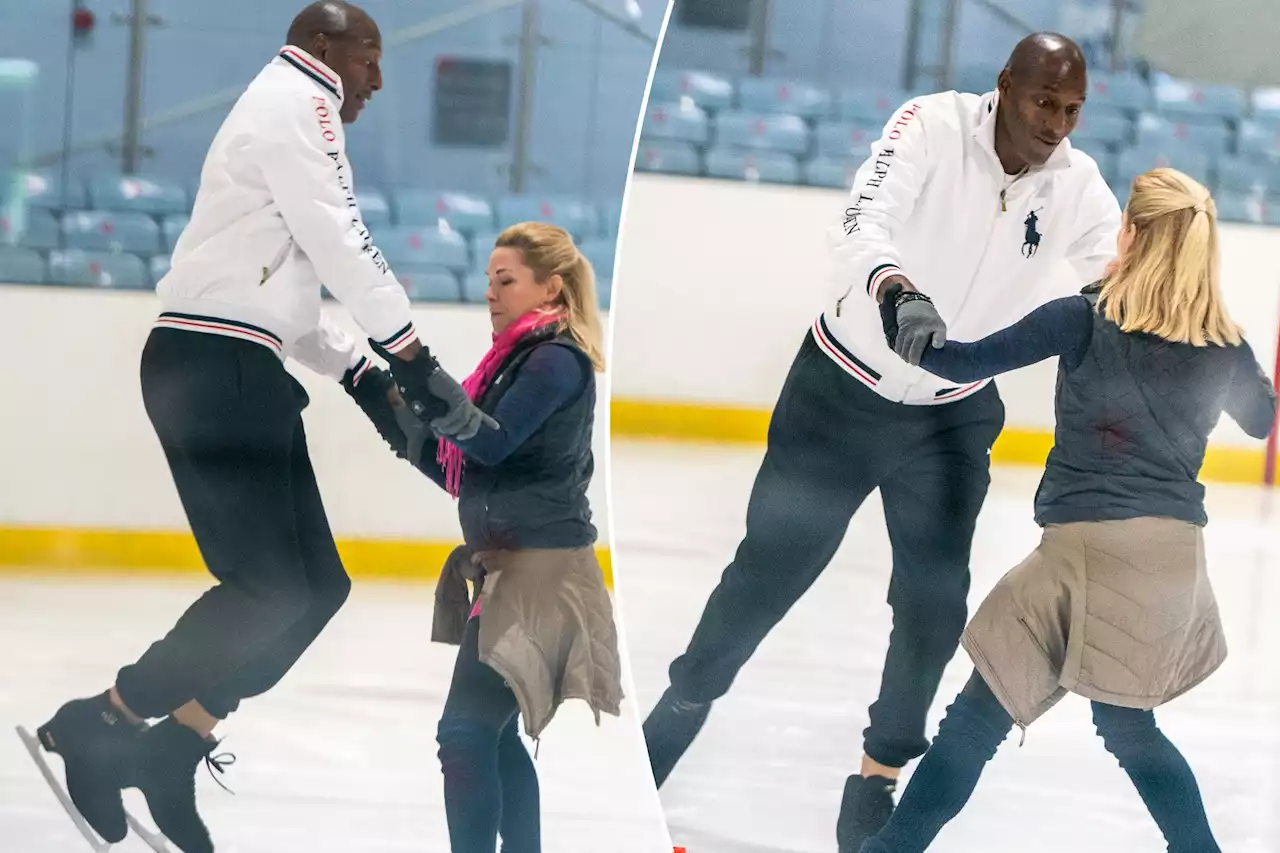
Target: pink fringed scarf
(447, 454)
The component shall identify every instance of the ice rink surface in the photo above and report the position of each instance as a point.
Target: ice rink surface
(340, 757)
(766, 774)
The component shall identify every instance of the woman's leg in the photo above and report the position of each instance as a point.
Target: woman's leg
(479, 707)
(1160, 773)
(974, 727)
(521, 800)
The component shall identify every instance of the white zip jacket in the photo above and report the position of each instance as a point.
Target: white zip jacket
(930, 203)
(274, 218)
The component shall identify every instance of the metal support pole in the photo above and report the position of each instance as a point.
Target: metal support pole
(911, 63)
(529, 38)
(758, 50)
(950, 23)
(1117, 20)
(133, 96)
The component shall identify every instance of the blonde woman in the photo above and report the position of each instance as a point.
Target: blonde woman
(541, 628)
(1115, 604)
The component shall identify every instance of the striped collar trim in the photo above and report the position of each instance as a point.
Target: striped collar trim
(313, 68)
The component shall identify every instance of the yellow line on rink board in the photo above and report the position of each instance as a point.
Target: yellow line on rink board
(716, 424)
(160, 553)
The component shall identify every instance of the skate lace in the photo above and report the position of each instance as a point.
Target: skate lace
(220, 762)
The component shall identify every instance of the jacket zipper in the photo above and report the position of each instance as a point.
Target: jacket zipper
(840, 301)
(986, 248)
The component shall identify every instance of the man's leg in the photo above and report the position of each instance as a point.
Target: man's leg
(327, 582)
(823, 458)
(931, 505)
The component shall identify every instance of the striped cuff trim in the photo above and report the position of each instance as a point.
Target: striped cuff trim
(399, 340)
(358, 372)
(878, 275)
(841, 356)
(218, 326)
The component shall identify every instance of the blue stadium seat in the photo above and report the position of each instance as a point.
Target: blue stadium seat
(845, 139)
(1265, 105)
(40, 231)
(1188, 98)
(604, 293)
(600, 253)
(764, 166)
(160, 265)
(474, 287)
(1121, 191)
(1258, 140)
(673, 120)
(1271, 213)
(1104, 125)
(709, 91)
(739, 129)
(1161, 132)
(577, 217)
(610, 218)
(375, 210)
(98, 269)
(172, 227)
(429, 283)
(482, 248)
(1135, 161)
(869, 106)
(827, 171)
(407, 246)
(1240, 207)
(1119, 91)
(43, 190)
(977, 80)
(661, 155)
(461, 211)
(137, 194)
(101, 231)
(1239, 175)
(21, 266)
(774, 95)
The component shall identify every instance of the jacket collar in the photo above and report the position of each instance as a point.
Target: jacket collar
(985, 133)
(321, 74)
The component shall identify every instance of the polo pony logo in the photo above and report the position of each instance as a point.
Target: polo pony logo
(1033, 236)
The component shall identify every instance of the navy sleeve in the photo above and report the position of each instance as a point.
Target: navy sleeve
(1251, 402)
(1062, 327)
(550, 377)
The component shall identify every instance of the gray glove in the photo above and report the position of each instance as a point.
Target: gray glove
(463, 418)
(918, 326)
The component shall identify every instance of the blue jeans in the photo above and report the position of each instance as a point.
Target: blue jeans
(975, 726)
(490, 784)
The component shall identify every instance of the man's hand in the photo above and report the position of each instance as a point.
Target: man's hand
(434, 396)
(374, 394)
(899, 284)
(910, 321)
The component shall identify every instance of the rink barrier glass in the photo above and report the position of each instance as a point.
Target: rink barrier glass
(702, 423)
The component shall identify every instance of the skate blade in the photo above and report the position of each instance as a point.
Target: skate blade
(33, 747)
(154, 840)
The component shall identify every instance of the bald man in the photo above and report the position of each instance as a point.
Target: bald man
(963, 217)
(274, 218)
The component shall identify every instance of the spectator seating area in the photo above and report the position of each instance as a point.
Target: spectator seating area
(790, 132)
(118, 232)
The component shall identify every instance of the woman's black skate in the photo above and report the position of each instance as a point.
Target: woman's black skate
(165, 765)
(97, 744)
(866, 808)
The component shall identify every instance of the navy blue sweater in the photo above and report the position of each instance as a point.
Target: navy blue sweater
(1133, 411)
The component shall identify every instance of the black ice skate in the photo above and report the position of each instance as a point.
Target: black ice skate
(669, 730)
(867, 807)
(96, 743)
(165, 765)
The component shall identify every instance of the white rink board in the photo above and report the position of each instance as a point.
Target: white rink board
(76, 448)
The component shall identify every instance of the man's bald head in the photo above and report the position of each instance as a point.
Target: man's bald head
(329, 18)
(1045, 52)
(346, 39)
(1042, 90)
